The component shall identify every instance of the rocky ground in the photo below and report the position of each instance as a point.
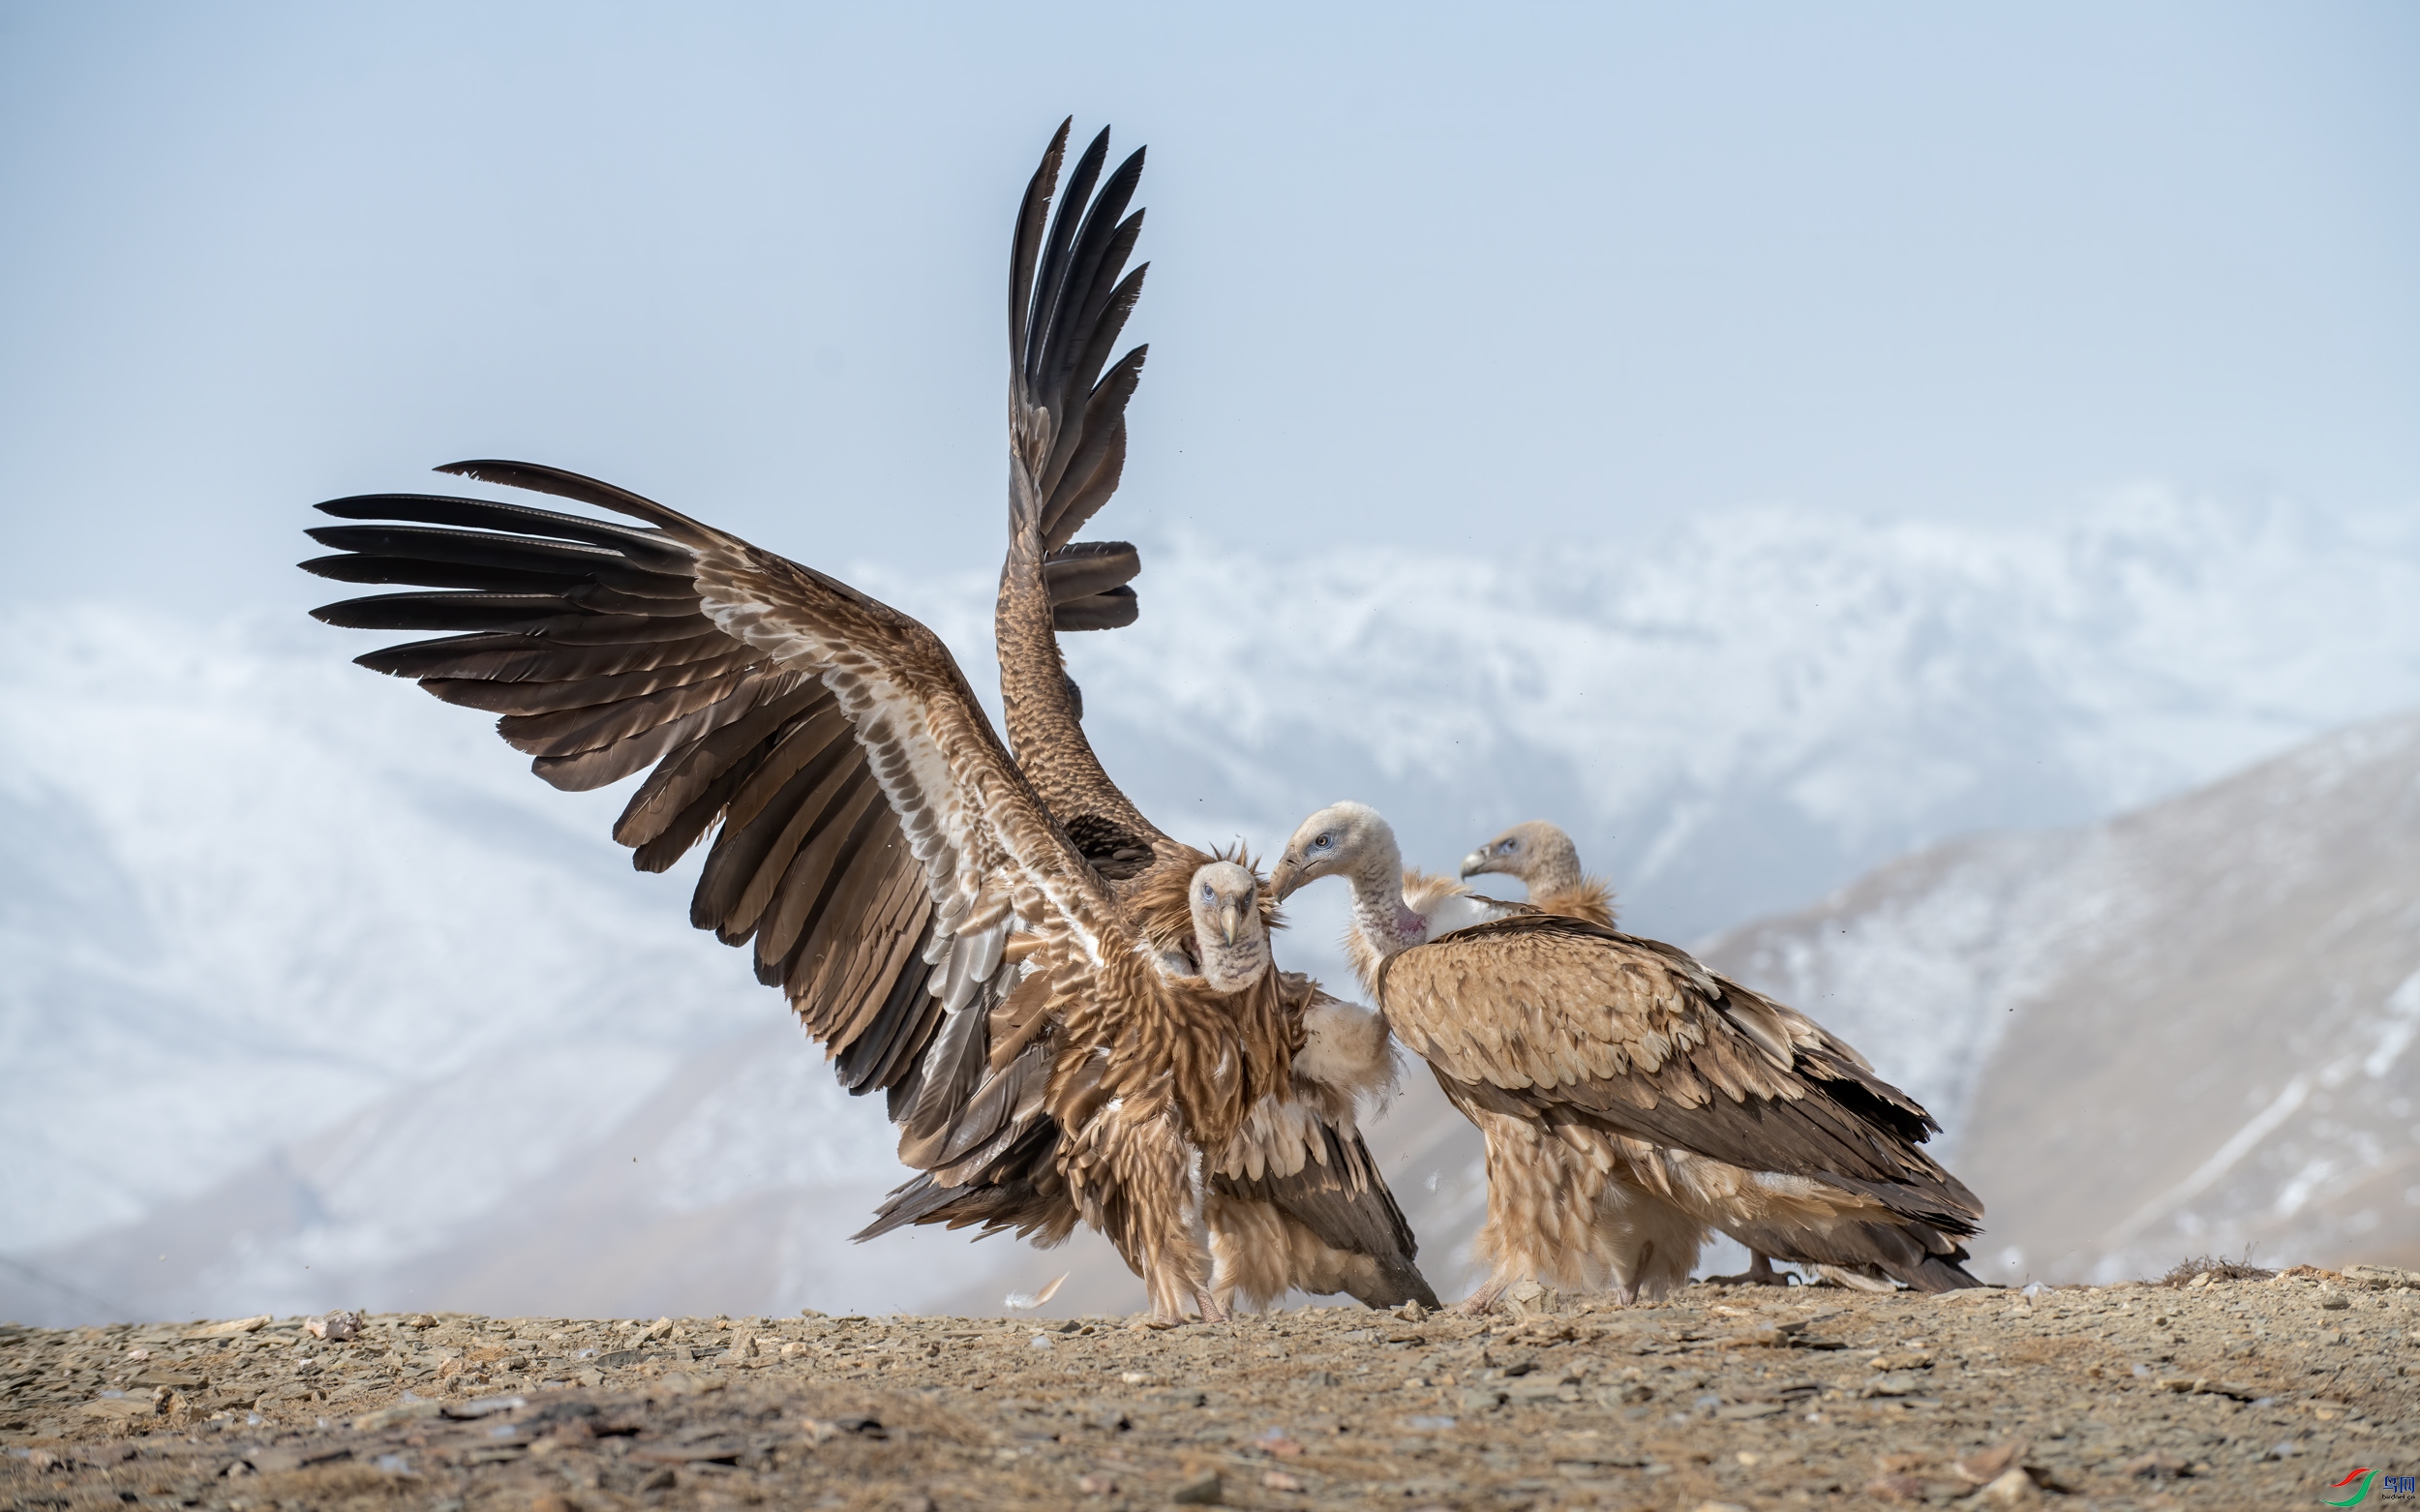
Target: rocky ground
(2223, 1393)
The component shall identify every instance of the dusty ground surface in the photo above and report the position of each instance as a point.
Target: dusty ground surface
(2230, 1394)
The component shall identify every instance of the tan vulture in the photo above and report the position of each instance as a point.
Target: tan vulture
(1543, 858)
(889, 866)
(1630, 1099)
(1295, 1201)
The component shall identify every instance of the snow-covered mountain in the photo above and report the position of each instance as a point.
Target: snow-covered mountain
(2185, 1029)
(310, 994)
(1771, 702)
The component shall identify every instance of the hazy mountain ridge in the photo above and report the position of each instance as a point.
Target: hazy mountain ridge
(1771, 703)
(2176, 1031)
(301, 969)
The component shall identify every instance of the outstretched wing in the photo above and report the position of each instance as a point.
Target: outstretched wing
(1069, 298)
(1567, 1020)
(873, 842)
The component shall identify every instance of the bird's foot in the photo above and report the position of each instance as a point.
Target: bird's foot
(1480, 1302)
(1759, 1273)
(1212, 1310)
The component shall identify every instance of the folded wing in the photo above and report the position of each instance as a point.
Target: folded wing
(1565, 1020)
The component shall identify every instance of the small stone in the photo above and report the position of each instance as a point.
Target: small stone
(1279, 1480)
(1208, 1491)
(2380, 1278)
(662, 1480)
(1721, 1506)
(1097, 1484)
(1529, 1299)
(2011, 1487)
(1991, 1464)
(1412, 1313)
(1895, 1488)
(239, 1325)
(2333, 1303)
(2154, 1466)
(335, 1326)
(553, 1501)
(399, 1412)
(662, 1328)
(1895, 1384)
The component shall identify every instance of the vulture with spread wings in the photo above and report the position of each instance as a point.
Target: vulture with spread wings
(1004, 979)
(1630, 1099)
(1295, 1199)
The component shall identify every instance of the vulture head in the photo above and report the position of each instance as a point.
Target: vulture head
(1230, 939)
(1536, 853)
(1343, 839)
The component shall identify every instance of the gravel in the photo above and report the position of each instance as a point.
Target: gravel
(2233, 1392)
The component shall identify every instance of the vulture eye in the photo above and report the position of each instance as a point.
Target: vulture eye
(1505, 849)
(1208, 896)
(1323, 842)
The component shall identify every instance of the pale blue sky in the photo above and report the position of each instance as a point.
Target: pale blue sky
(1420, 273)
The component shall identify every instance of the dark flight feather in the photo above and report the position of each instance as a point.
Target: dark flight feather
(1113, 610)
(1092, 568)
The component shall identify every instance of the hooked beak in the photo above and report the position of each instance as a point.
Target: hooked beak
(1474, 863)
(1231, 919)
(1284, 879)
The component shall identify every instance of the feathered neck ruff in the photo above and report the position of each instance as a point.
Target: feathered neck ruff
(1210, 1054)
(1583, 898)
(1163, 902)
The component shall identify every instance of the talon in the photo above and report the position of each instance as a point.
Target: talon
(1482, 1301)
(1759, 1273)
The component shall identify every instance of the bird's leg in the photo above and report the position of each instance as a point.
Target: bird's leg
(1211, 1311)
(1480, 1301)
(1759, 1273)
